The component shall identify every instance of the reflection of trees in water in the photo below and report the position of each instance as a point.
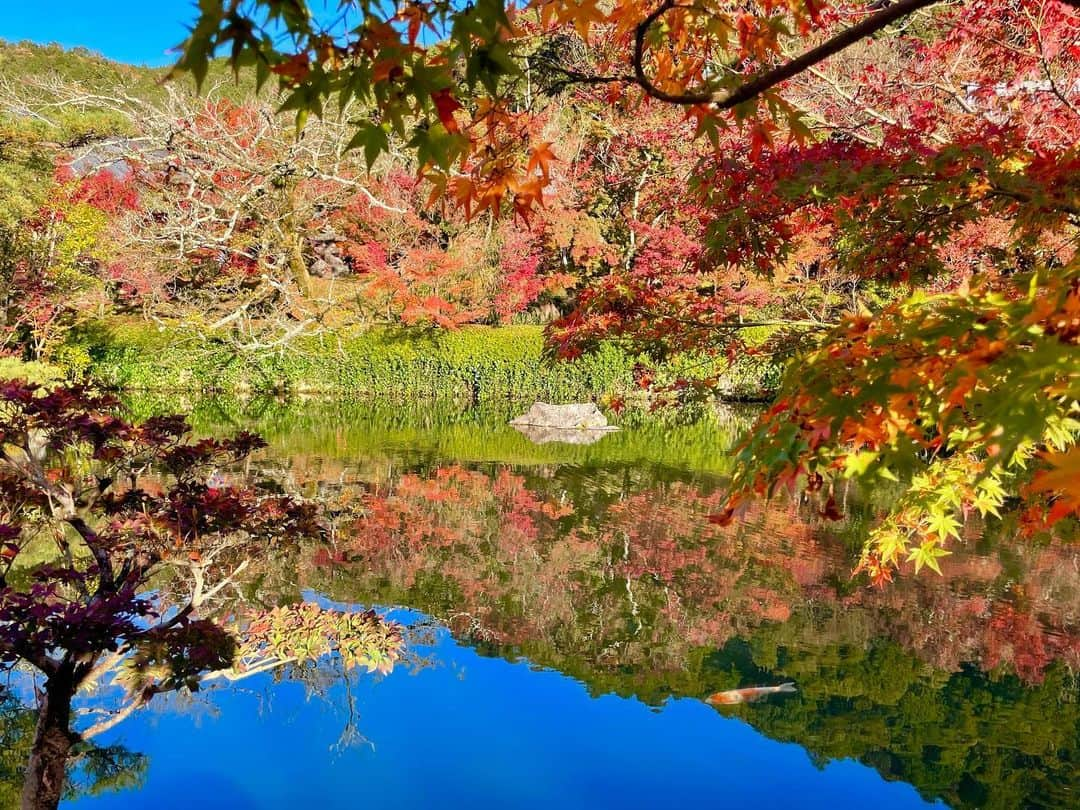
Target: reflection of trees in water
(634, 590)
(646, 572)
(120, 574)
(614, 574)
(972, 738)
(92, 769)
(377, 437)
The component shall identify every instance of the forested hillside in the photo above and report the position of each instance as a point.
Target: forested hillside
(31, 139)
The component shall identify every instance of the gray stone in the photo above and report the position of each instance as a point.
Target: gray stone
(579, 416)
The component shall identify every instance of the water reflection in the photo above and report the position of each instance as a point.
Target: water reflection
(964, 685)
(602, 563)
(93, 770)
(637, 577)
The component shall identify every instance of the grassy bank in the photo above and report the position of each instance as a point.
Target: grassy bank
(476, 363)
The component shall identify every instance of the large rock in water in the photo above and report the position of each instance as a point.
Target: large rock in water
(572, 424)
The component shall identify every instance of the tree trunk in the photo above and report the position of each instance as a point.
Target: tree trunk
(53, 739)
(298, 266)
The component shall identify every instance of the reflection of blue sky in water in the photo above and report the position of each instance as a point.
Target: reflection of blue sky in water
(474, 731)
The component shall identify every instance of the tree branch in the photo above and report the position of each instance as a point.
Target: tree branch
(726, 99)
(117, 717)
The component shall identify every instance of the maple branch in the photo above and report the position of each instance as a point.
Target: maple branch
(120, 715)
(371, 198)
(107, 583)
(1044, 63)
(97, 672)
(727, 99)
(883, 117)
(232, 675)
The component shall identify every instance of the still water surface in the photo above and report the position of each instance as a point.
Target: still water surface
(571, 607)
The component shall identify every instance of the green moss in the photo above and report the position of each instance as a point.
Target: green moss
(477, 363)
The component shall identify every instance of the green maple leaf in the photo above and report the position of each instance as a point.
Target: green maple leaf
(943, 524)
(927, 555)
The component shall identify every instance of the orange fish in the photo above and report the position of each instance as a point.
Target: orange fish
(748, 695)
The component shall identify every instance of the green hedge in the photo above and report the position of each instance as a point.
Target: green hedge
(472, 363)
(475, 363)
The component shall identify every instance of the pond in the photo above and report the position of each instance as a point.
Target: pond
(568, 609)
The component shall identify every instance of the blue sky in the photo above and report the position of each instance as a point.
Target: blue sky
(140, 32)
(135, 31)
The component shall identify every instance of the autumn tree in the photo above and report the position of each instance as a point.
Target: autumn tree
(55, 264)
(230, 234)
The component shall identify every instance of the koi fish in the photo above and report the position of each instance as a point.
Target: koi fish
(748, 695)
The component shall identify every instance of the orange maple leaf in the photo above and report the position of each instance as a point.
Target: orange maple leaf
(541, 157)
(1063, 478)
